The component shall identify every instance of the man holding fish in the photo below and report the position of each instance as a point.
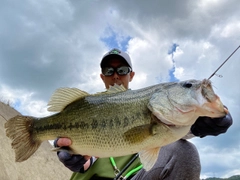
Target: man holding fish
(178, 160)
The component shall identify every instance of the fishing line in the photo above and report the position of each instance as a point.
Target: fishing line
(3, 117)
(223, 63)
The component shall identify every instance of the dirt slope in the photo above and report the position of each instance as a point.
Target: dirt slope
(43, 165)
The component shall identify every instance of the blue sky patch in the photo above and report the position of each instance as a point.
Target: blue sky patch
(173, 48)
(171, 52)
(17, 104)
(114, 40)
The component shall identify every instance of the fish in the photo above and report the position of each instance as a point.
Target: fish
(118, 121)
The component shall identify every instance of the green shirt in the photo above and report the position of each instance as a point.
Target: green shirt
(103, 168)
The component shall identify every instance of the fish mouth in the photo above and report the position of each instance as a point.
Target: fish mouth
(207, 91)
(213, 104)
(215, 108)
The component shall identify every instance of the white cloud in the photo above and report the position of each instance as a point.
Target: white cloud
(179, 73)
(231, 29)
(24, 102)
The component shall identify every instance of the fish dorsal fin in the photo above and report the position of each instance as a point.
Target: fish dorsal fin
(113, 89)
(64, 96)
(149, 157)
(116, 88)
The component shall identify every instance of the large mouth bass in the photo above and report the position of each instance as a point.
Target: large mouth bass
(118, 122)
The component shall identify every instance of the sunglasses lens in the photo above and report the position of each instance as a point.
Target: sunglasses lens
(108, 71)
(124, 70)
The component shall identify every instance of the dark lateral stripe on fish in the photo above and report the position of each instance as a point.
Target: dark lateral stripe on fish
(93, 124)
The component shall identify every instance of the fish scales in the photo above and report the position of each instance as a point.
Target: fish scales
(91, 130)
(118, 122)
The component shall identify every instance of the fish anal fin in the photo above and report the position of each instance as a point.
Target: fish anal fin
(63, 97)
(149, 157)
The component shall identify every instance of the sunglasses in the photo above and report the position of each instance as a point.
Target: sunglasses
(121, 71)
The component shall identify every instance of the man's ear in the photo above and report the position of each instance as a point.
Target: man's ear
(102, 77)
(132, 75)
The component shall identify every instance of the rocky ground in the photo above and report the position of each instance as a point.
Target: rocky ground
(43, 165)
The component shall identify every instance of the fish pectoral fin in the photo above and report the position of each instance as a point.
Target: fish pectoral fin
(138, 134)
(149, 157)
(64, 96)
(141, 133)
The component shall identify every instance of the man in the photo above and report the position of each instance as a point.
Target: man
(179, 160)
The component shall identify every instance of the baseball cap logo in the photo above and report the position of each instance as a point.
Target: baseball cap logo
(115, 51)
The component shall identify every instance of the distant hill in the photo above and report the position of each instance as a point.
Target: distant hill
(237, 177)
(43, 165)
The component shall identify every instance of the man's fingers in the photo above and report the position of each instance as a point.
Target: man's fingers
(87, 157)
(64, 142)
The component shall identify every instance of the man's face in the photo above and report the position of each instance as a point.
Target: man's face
(115, 78)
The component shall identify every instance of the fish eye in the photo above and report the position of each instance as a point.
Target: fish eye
(187, 84)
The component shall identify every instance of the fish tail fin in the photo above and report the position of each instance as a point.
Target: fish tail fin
(20, 130)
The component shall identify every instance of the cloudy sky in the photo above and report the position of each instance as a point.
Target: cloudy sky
(49, 44)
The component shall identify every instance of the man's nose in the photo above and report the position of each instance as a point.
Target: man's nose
(115, 75)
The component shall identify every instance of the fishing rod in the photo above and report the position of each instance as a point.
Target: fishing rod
(118, 176)
(224, 62)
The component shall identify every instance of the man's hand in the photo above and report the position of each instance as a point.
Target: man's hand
(76, 163)
(60, 142)
(205, 126)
